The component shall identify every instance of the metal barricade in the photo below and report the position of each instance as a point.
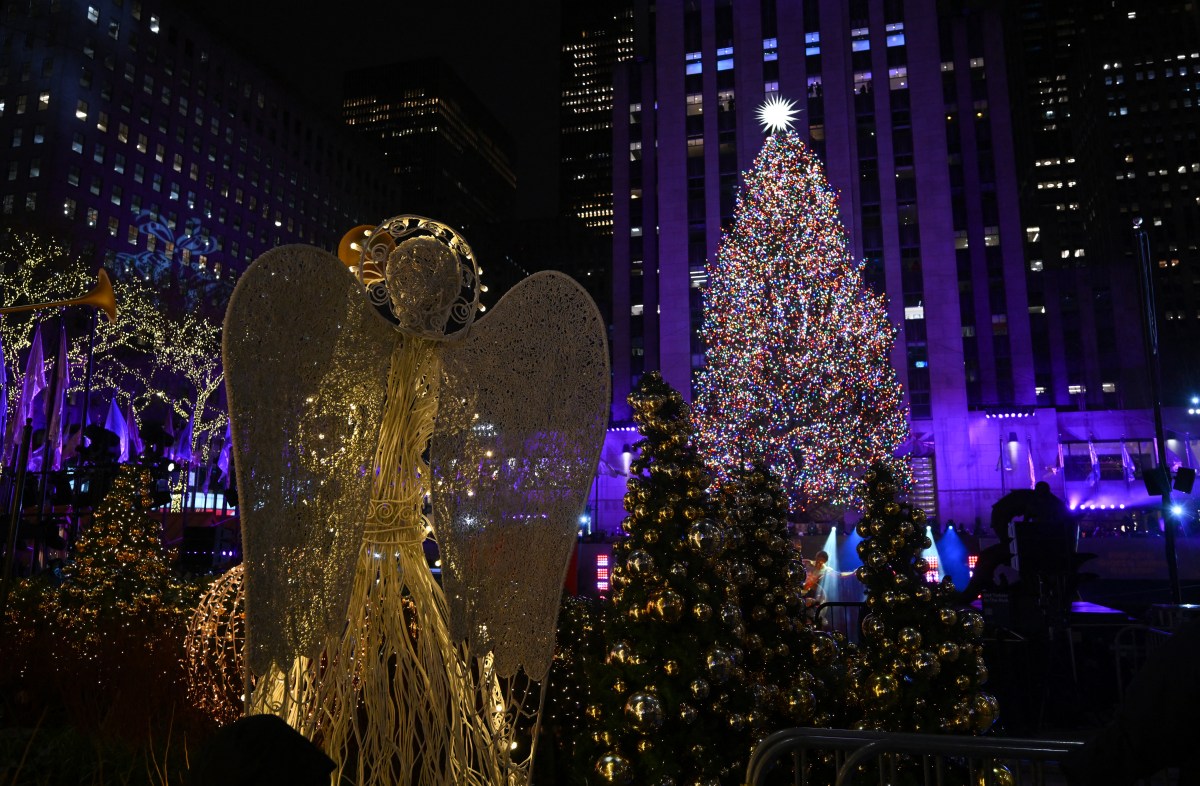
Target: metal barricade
(937, 759)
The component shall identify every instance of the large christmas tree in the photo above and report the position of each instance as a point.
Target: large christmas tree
(666, 703)
(798, 373)
(922, 663)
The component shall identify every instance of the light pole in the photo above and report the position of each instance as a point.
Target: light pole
(1154, 361)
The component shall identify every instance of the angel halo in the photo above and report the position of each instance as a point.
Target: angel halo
(371, 409)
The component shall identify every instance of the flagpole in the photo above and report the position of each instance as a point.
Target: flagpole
(14, 518)
(51, 405)
(1150, 339)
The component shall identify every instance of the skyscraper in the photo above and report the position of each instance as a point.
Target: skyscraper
(1105, 111)
(908, 107)
(139, 137)
(595, 38)
(450, 156)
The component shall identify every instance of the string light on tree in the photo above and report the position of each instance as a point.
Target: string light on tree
(798, 373)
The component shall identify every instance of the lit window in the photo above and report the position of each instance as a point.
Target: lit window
(43, 101)
(914, 312)
(93, 14)
(1036, 265)
(636, 310)
(153, 24)
(81, 109)
(1108, 387)
(1076, 390)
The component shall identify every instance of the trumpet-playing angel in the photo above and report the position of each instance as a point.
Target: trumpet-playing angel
(369, 412)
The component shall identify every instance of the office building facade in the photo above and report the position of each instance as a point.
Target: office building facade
(139, 137)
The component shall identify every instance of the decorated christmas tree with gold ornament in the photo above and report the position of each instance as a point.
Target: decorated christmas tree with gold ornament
(119, 575)
(666, 707)
(921, 665)
(796, 675)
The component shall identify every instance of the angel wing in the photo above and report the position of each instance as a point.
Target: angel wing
(306, 366)
(520, 423)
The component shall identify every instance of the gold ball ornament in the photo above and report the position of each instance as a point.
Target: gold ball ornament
(644, 712)
(801, 702)
(719, 663)
(614, 769)
(984, 710)
(908, 639)
(926, 664)
(947, 616)
(948, 651)
(881, 691)
(667, 605)
(824, 649)
(671, 668)
(620, 652)
(702, 612)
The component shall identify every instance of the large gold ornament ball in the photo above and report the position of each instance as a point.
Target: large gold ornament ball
(620, 652)
(687, 713)
(594, 711)
(908, 639)
(972, 624)
(644, 712)
(667, 605)
(801, 702)
(706, 536)
(948, 651)
(615, 769)
(671, 668)
(926, 664)
(984, 710)
(947, 616)
(719, 663)
(639, 562)
(824, 649)
(700, 689)
(881, 691)
(619, 686)
(702, 612)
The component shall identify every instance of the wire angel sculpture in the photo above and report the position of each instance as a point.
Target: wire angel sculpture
(367, 415)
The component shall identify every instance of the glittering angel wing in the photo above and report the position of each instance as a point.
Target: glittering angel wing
(520, 423)
(306, 366)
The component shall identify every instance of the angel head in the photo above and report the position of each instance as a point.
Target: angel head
(422, 276)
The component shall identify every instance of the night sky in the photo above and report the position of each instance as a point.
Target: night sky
(508, 54)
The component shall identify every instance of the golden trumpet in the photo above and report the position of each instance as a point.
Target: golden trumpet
(101, 296)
